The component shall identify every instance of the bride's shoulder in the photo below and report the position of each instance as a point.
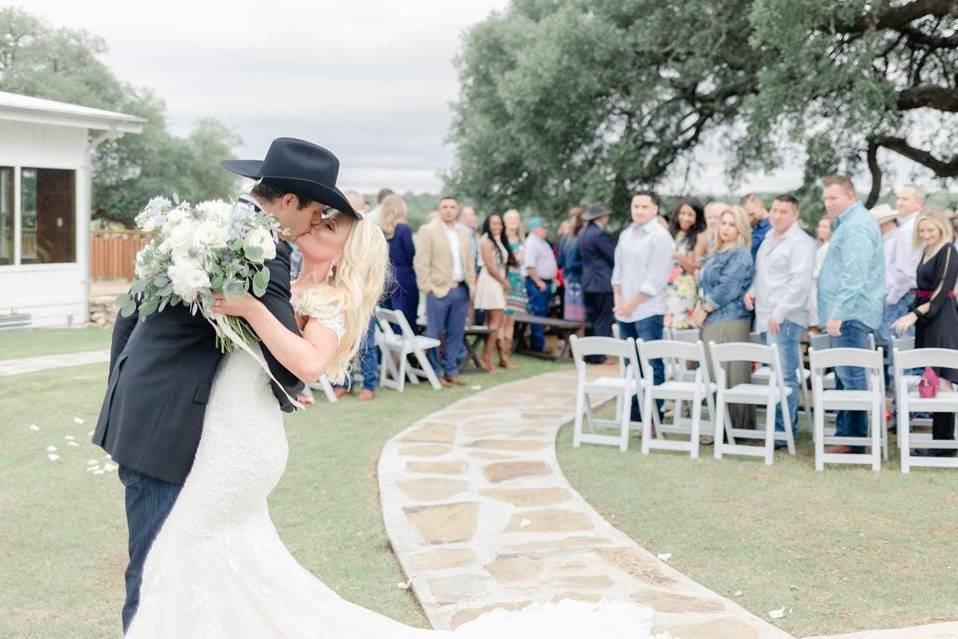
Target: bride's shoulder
(322, 303)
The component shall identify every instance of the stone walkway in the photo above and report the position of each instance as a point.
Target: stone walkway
(481, 517)
(33, 364)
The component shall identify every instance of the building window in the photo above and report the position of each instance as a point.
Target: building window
(6, 215)
(48, 216)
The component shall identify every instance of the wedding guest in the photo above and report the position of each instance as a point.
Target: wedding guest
(823, 231)
(687, 228)
(361, 205)
(541, 268)
(570, 259)
(373, 215)
(851, 291)
(887, 219)
(516, 299)
(725, 278)
(906, 255)
(598, 259)
(469, 222)
(933, 313)
(779, 294)
(758, 217)
(492, 285)
(567, 229)
(445, 273)
(713, 211)
(640, 275)
(403, 293)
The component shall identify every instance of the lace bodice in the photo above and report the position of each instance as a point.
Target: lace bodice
(320, 304)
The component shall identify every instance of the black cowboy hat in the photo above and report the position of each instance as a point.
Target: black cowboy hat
(301, 166)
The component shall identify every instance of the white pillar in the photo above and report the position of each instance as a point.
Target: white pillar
(84, 200)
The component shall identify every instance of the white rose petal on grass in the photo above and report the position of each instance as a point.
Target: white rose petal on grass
(53, 457)
(34, 427)
(90, 434)
(69, 438)
(524, 523)
(78, 420)
(664, 556)
(92, 462)
(738, 593)
(403, 585)
(776, 614)
(109, 467)
(97, 472)
(92, 469)
(475, 387)
(51, 449)
(73, 444)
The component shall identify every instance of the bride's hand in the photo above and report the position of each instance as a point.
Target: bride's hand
(241, 305)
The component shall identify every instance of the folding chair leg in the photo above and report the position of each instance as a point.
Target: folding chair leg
(624, 421)
(876, 422)
(904, 431)
(696, 424)
(819, 436)
(647, 422)
(769, 433)
(401, 375)
(427, 369)
(787, 423)
(720, 417)
(577, 428)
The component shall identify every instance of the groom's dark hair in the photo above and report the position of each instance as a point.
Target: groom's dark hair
(271, 190)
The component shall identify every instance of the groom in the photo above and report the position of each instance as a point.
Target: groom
(162, 368)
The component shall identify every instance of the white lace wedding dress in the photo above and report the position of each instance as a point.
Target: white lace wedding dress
(218, 568)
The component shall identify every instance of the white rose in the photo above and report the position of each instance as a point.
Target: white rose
(215, 210)
(188, 278)
(180, 239)
(212, 234)
(263, 239)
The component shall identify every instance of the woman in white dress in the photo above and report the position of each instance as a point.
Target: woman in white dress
(218, 568)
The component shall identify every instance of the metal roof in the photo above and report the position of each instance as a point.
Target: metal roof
(23, 108)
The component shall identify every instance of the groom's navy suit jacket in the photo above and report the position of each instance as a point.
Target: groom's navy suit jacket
(161, 373)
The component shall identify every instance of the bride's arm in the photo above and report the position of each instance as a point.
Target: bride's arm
(306, 357)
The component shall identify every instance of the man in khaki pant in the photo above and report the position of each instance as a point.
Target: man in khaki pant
(446, 273)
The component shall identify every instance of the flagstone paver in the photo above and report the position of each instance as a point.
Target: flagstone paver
(33, 364)
(481, 517)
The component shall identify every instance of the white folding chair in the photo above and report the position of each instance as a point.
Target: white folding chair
(802, 374)
(673, 369)
(395, 348)
(774, 393)
(908, 400)
(624, 387)
(323, 384)
(871, 401)
(677, 389)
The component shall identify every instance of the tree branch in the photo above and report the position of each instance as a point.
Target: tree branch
(899, 16)
(930, 96)
(942, 168)
(876, 172)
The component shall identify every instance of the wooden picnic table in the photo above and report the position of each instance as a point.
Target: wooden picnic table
(473, 338)
(563, 329)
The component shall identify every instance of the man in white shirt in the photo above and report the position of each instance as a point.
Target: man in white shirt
(902, 267)
(779, 294)
(640, 275)
(445, 272)
(887, 219)
(539, 262)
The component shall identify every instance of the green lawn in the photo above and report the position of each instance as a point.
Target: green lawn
(63, 533)
(50, 341)
(842, 550)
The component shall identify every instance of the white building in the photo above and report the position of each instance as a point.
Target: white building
(45, 193)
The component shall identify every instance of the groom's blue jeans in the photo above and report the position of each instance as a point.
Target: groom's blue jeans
(148, 502)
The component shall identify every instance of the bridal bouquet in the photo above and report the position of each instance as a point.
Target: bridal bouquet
(196, 250)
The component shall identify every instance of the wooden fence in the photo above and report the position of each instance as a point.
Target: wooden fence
(113, 253)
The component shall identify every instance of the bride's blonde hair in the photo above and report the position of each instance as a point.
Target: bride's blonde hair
(356, 288)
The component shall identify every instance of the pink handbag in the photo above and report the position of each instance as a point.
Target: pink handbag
(928, 384)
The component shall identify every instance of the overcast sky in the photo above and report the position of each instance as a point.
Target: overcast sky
(371, 80)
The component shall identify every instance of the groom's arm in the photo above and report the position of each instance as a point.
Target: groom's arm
(122, 329)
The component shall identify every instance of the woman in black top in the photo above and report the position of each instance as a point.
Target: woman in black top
(933, 312)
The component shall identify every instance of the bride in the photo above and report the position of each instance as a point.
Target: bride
(218, 568)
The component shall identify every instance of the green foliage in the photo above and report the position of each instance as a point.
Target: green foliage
(63, 64)
(570, 101)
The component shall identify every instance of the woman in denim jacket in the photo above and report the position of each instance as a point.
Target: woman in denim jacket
(720, 311)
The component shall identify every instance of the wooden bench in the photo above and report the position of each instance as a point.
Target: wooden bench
(473, 338)
(558, 327)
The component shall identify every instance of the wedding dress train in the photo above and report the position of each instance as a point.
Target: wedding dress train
(218, 569)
